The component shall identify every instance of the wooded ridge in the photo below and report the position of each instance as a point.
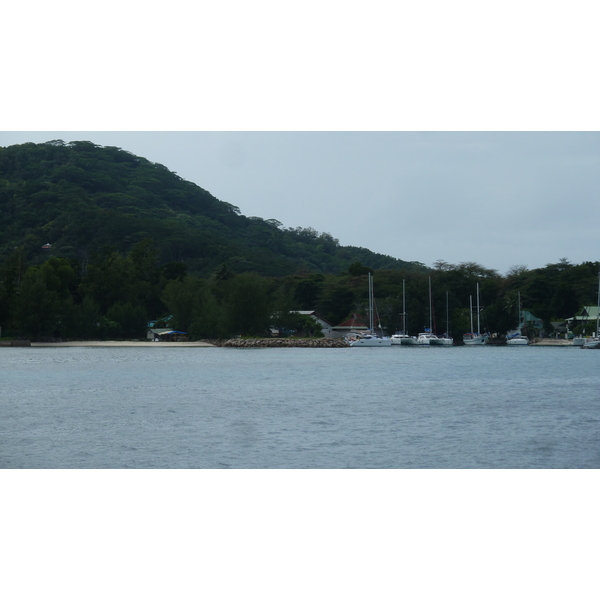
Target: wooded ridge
(80, 198)
(97, 242)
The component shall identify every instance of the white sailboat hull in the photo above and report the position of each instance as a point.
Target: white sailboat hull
(425, 339)
(370, 340)
(475, 340)
(373, 342)
(517, 338)
(442, 341)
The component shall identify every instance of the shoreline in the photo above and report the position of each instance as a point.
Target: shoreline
(552, 342)
(231, 343)
(118, 344)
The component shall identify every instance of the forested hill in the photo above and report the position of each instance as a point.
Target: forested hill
(80, 198)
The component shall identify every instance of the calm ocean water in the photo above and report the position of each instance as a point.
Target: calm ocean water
(217, 408)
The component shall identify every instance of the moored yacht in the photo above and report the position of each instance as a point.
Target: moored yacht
(518, 339)
(475, 338)
(443, 340)
(425, 337)
(402, 338)
(594, 341)
(369, 339)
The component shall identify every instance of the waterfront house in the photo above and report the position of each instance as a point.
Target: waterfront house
(326, 326)
(533, 324)
(560, 328)
(321, 323)
(166, 335)
(357, 323)
(587, 317)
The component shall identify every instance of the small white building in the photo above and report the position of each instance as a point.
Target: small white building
(325, 325)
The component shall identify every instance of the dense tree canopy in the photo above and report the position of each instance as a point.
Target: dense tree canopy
(81, 197)
(117, 294)
(131, 242)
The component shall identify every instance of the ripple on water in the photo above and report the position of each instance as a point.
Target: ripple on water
(298, 408)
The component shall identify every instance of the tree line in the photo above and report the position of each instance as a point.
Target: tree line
(115, 294)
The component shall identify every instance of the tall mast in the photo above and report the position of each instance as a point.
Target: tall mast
(598, 309)
(404, 306)
(371, 303)
(478, 325)
(520, 313)
(430, 317)
(471, 307)
(447, 320)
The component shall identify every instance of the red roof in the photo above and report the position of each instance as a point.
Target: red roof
(355, 321)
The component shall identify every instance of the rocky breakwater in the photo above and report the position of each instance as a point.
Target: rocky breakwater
(284, 343)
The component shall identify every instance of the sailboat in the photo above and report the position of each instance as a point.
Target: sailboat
(475, 338)
(518, 339)
(370, 339)
(403, 338)
(425, 338)
(578, 341)
(444, 340)
(594, 342)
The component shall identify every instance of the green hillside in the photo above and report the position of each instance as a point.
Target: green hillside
(82, 198)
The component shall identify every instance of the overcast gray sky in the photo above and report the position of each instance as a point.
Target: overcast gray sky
(499, 199)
